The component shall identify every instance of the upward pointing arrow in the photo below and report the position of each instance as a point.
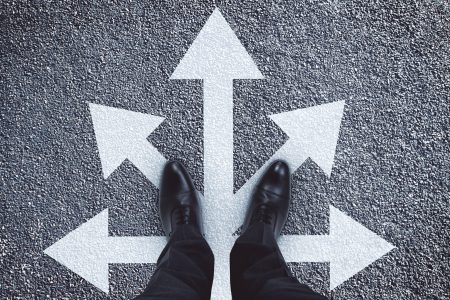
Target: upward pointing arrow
(216, 54)
(122, 134)
(217, 57)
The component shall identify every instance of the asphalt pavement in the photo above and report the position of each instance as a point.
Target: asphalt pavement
(388, 60)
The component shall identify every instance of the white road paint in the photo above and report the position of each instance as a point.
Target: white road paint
(313, 132)
(349, 248)
(122, 134)
(88, 250)
(218, 57)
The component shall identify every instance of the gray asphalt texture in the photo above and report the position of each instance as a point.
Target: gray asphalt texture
(389, 60)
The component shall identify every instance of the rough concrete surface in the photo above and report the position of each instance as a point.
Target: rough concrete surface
(389, 60)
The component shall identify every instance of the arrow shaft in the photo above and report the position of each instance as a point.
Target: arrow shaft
(218, 180)
(133, 250)
(307, 248)
(149, 161)
(218, 153)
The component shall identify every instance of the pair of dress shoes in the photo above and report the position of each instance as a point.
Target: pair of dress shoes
(180, 202)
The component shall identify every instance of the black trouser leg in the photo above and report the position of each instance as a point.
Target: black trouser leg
(258, 269)
(184, 270)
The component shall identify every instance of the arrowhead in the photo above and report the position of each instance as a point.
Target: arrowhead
(83, 251)
(355, 247)
(216, 53)
(120, 133)
(314, 130)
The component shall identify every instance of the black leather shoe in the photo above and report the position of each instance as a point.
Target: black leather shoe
(271, 198)
(178, 199)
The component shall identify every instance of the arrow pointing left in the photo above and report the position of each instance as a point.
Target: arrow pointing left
(122, 134)
(88, 250)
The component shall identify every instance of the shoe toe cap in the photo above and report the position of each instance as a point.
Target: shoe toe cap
(175, 179)
(276, 180)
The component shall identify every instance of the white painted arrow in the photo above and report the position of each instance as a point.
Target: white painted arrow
(313, 133)
(122, 134)
(218, 57)
(88, 250)
(349, 248)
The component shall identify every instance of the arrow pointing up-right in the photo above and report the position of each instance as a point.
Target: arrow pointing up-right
(314, 131)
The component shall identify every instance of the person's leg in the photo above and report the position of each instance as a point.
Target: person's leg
(186, 265)
(185, 268)
(257, 267)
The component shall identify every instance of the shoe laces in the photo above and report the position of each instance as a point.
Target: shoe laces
(184, 215)
(263, 213)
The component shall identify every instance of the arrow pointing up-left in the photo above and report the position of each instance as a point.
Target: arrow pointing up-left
(88, 250)
(122, 134)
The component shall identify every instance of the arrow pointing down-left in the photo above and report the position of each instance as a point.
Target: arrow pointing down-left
(88, 250)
